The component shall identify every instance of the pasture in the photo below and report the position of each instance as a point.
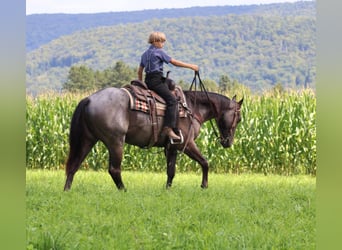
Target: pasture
(261, 191)
(247, 211)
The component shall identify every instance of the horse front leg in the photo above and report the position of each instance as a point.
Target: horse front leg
(194, 153)
(171, 157)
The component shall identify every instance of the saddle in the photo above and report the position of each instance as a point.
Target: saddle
(147, 101)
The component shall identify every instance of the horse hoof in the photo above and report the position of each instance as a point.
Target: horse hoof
(122, 188)
(204, 186)
(168, 185)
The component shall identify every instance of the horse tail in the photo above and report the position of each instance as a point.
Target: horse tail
(77, 133)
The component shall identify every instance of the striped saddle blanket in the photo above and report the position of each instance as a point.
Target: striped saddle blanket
(147, 101)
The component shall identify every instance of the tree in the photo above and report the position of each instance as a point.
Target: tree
(224, 83)
(119, 75)
(80, 78)
(210, 85)
(230, 87)
(123, 74)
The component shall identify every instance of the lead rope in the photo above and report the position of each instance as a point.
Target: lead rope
(202, 87)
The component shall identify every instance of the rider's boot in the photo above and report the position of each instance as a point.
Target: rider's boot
(169, 132)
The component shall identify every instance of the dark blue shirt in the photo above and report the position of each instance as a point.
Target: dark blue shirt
(153, 58)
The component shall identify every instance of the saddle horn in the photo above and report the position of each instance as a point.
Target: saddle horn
(170, 83)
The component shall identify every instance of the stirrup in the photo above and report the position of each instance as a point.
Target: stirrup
(172, 141)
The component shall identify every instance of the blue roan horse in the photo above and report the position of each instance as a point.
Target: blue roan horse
(106, 116)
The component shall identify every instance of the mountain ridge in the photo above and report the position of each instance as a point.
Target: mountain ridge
(259, 50)
(69, 23)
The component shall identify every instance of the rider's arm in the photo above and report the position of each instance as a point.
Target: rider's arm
(184, 65)
(140, 73)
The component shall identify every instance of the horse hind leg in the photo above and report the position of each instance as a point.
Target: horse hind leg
(115, 159)
(76, 157)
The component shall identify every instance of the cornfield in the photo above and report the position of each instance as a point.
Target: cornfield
(277, 134)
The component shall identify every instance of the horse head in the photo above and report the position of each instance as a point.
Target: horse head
(227, 122)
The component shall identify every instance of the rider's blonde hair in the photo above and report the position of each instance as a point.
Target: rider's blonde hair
(156, 36)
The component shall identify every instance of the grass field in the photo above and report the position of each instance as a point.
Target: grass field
(235, 212)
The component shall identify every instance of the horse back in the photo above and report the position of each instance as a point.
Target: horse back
(107, 107)
(112, 120)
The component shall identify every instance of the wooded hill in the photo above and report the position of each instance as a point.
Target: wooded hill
(43, 28)
(260, 46)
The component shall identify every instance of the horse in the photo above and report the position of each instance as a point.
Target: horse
(106, 116)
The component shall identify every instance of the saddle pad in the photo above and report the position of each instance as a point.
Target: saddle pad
(141, 99)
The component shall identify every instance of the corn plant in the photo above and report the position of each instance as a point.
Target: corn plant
(277, 134)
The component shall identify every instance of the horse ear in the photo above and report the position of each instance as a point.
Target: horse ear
(234, 98)
(240, 102)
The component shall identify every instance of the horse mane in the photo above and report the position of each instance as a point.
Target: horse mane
(219, 101)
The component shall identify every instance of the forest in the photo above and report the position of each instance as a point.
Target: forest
(260, 49)
(43, 28)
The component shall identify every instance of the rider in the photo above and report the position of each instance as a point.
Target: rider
(152, 60)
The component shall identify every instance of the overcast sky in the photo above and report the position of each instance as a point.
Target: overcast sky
(95, 6)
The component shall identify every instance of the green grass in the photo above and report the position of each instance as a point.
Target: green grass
(235, 212)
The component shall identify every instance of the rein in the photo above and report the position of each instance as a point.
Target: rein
(202, 87)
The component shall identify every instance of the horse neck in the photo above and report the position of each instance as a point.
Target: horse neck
(204, 107)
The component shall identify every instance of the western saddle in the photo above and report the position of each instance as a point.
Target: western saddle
(145, 100)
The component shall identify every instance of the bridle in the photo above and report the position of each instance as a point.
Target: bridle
(236, 111)
(219, 136)
(223, 139)
(194, 81)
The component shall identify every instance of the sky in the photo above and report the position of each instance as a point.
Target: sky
(96, 6)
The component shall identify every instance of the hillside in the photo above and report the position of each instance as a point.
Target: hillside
(43, 28)
(259, 50)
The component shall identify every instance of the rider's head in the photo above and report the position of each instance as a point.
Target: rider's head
(156, 37)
